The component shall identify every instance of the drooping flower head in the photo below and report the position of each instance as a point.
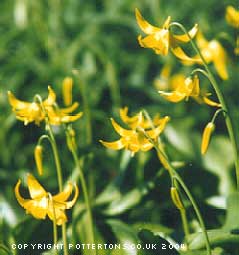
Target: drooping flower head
(213, 52)
(162, 39)
(136, 138)
(188, 88)
(42, 204)
(36, 112)
(232, 16)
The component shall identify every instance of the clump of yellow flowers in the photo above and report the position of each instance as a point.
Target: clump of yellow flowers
(38, 111)
(140, 134)
(41, 202)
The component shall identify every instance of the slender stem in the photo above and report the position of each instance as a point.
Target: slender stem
(85, 192)
(183, 213)
(56, 157)
(196, 209)
(59, 177)
(54, 224)
(58, 166)
(228, 119)
(174, 175)
(185, 224)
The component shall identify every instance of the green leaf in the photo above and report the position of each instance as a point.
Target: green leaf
(125, 236)
(157, 244)
(228, 234)
(130, 199)
(232, 220)
(153, 227)
(216, 162)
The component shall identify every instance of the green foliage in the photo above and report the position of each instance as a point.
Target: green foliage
(95, 42)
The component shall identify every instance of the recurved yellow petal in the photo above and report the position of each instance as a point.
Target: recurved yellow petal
(210, 102)
(72, 118)
(185, 38)
(174, 96)
(16, 103)
(117, 145)
(179, 53)
(69, 204)
(35, 189)
(51, 99)
(65, 194)
(69, 109)
(143, 24)
(121, 131)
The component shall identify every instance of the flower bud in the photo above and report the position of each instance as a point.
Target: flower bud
(206, 136)
(38, 159)
(176, 198)
(67, 90)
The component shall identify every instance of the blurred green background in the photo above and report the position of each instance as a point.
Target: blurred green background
(41, 42)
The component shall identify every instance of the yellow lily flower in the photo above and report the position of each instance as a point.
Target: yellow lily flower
(34, 112)
(162, 39)
(135, 139)
(213, 52)
(232, 16)
(42, 204)
(189, 88)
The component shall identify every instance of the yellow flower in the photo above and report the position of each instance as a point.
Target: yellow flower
(42, 203)
(34, 112)
(188, 88)
(232, 16)
(162, 39)
(212, 51)
(135, 139)
(206, 136)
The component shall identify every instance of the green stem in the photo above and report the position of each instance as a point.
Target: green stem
(174, 175)
(56, 157)
(85, 191)
(228, 119)
(59, 177)
(196, 209)
(185, 224)
(54, 224)
(183, 213)
(58, 166)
